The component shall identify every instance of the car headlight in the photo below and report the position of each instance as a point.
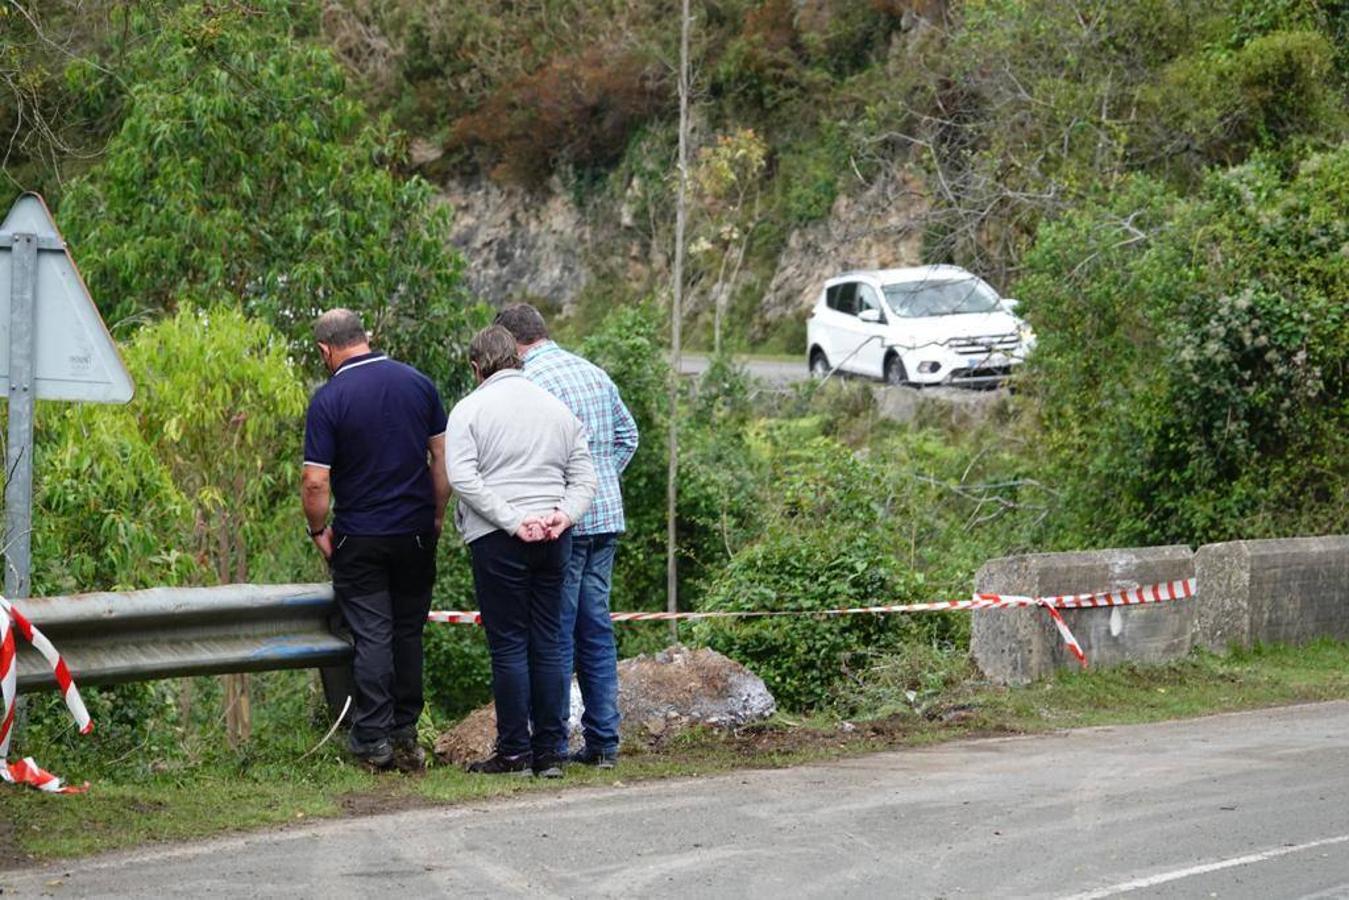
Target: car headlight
(1027, 334)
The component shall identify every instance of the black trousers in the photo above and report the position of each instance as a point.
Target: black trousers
(519, 590)
(383, 588)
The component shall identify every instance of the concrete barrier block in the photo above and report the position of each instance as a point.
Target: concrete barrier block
(1275, 591)
(1016, 646)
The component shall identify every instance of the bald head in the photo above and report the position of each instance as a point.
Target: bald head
(339, 329)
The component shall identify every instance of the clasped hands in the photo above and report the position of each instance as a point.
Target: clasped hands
(543, 528)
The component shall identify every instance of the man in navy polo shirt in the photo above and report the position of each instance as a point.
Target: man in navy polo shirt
(375, 441)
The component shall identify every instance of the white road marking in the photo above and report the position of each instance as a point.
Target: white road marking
(1164, 877)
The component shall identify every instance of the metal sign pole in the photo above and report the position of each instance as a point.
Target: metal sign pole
(19, 452)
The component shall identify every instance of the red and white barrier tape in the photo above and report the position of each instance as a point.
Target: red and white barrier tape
(26, 771)
(1154, 593)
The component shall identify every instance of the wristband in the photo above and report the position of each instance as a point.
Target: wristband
(314, 534)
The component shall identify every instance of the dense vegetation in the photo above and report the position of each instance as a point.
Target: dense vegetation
(1163, 183)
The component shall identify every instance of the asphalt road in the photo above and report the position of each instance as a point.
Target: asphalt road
(773, 371)
(1244, 805)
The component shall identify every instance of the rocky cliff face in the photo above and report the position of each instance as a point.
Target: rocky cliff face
(879, 227)
(540, 247)
(519, 246)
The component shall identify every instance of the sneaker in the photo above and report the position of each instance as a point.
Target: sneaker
(548, 766)
(501, 764)
(590, 756)
(376, 755)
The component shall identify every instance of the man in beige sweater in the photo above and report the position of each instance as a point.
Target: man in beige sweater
(519, 464)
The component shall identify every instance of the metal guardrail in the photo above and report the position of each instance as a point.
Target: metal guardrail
(107, 638)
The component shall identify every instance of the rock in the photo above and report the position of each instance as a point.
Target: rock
(659, 696)
(953, 407)
(520, 246)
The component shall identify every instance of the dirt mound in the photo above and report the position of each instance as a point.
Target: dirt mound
(658, 696)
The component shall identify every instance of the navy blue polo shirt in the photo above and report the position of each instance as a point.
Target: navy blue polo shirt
(369, 425)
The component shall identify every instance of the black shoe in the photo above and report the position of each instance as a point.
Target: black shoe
(500, 764)
(549, 766)
(376, 755)
(600, 759)
(408, 755)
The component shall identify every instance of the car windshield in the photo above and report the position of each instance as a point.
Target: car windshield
(916, 299)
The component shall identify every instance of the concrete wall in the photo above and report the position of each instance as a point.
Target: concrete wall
(1016, 646)
(1285, 591)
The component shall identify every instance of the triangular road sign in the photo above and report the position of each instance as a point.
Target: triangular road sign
(74, 356)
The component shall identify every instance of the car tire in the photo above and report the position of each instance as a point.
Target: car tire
(819, 364)
(895, 376)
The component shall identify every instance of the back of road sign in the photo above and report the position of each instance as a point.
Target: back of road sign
(74, 356)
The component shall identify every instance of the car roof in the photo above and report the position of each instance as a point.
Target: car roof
(903, 275)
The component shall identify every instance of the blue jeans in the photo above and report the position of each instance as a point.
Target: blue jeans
(588, 637)
(519, 590)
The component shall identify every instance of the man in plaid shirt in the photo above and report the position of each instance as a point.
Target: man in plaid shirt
(587, 630)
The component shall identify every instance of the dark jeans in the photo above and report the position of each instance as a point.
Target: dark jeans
(519, 590)
(383, 587)
(588, 638)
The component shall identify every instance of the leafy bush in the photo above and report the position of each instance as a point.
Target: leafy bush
(907, 519)
(1191, 365)
(107, 513)
(802, 658)
(1268, 94)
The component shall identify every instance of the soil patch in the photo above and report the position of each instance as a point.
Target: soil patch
(387, 798)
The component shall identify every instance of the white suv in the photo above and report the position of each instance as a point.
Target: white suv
(925, 325)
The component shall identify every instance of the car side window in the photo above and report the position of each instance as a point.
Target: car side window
(846, 298)
(867, 299)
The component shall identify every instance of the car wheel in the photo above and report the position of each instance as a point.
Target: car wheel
(894, 371)
(819, 364)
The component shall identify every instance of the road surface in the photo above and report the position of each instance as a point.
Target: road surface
(773, 371)
(1235, 806)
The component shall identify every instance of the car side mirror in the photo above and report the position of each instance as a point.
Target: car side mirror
(1010, 304)
(870, 315)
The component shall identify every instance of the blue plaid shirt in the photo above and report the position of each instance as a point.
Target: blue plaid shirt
(590, 393)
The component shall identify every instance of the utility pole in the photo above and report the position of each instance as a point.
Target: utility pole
(676, 316)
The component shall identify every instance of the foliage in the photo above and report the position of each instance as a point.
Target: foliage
(107, 514)
(908, 518)
(806, 572)
(242, 168)
(458, 668)
(1210, 403)
(577, 109)
(222, 406)
(726, 182)
(1024, 109)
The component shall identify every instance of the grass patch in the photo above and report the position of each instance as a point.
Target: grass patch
(268, 786)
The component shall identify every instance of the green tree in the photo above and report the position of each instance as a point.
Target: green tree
(222, 405)
(243, 169)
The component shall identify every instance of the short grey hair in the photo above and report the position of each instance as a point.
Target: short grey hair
(493, 350)
(339, 328)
